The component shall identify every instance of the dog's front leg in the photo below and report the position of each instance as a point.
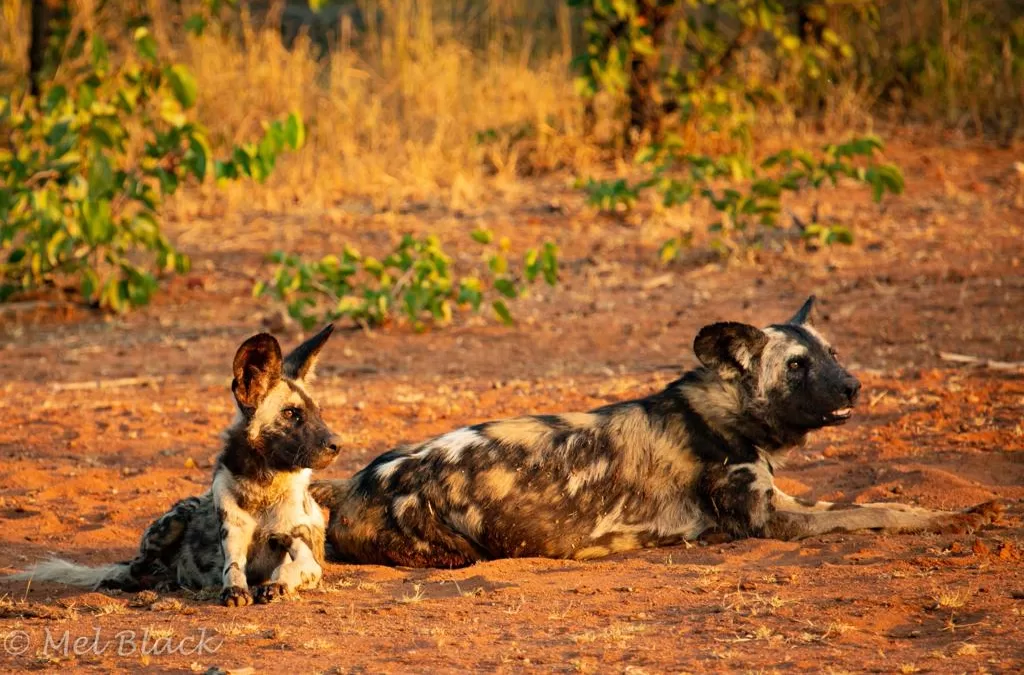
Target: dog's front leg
(236, 532)
(745, 502)
(794, 519)
(300, 569)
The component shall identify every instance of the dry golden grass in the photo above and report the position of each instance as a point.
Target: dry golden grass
(395, 120)
(947, 598)
(13, 43)
(417, 595)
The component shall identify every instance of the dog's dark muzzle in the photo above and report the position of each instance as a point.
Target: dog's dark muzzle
(326, 454)
(848, 391)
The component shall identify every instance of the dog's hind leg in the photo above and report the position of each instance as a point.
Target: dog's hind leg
(151, 567)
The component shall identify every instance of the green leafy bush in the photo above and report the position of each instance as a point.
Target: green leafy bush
(415, 280)
(85, 169)
(673, 65)
(748, 194)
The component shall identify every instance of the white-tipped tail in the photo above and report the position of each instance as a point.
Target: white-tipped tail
(73, 574)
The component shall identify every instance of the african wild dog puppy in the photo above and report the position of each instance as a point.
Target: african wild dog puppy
(257, 525)
(698, 457)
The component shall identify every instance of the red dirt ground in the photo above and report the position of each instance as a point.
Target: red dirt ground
(84, 470)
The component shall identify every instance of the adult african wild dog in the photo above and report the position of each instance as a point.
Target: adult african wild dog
(257, 525)
(656, 471)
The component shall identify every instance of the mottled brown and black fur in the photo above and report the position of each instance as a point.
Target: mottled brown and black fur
(696, 458)
(257, 526)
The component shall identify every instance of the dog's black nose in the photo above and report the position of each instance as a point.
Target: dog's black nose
(852, 389)
(333, 444)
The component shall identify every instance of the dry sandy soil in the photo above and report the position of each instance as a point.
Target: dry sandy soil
(84, 467)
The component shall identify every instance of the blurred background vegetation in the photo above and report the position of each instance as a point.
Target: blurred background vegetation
(423, 99)
(452, 102)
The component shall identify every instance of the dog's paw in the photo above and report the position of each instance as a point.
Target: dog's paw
(270, 592)
(971, 519)
(310, 578)
(235, 596)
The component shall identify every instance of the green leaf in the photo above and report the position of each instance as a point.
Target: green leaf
(531, 264)
(669, 251)
(198, 156)
(498, 263)
(195, 24)
(791, 43)
(295, 132)
(183, 84)
(170, 112)
(98, 225)
(99, 56)
(54, 97)
(501, 310)
(482, 236)
(506, 288)
(145, 45)
(839, 234)
(549, 263)
(90, 284)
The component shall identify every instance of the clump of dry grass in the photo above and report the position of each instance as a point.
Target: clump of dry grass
(617, 634)
(948, 598)
(417, 595)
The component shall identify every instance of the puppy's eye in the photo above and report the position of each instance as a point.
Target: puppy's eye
(795, 364)
(293, 414)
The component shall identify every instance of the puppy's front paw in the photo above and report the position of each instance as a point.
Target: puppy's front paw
(235, 596)
(270, 592)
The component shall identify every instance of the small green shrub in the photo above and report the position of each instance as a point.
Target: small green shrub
(416, 281)
(748, 194)
(85, 169)
(674, 67)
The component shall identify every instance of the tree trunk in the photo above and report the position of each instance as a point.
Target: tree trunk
(646, 109)
(40, 37)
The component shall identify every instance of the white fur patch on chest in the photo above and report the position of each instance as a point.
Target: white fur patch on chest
(279, 506)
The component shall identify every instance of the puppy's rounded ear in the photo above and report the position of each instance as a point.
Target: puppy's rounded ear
(803, 315)
(729, 345)
(257, 369)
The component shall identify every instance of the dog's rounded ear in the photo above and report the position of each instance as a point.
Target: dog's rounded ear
(803, 315)
(257, 369)
(301, 363)
(729, 345)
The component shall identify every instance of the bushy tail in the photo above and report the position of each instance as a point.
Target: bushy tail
(72, 574)
(330, 493)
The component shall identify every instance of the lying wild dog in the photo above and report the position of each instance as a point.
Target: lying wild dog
(697, 457)
(257, 525)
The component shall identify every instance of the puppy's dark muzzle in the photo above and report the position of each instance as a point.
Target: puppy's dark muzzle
(327, 453)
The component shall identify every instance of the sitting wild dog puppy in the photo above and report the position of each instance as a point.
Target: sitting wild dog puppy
(257, 525)
(697, 457)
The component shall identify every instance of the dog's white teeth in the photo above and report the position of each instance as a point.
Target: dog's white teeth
(843, 412)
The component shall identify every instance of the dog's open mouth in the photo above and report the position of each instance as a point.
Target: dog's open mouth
(838, 416)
